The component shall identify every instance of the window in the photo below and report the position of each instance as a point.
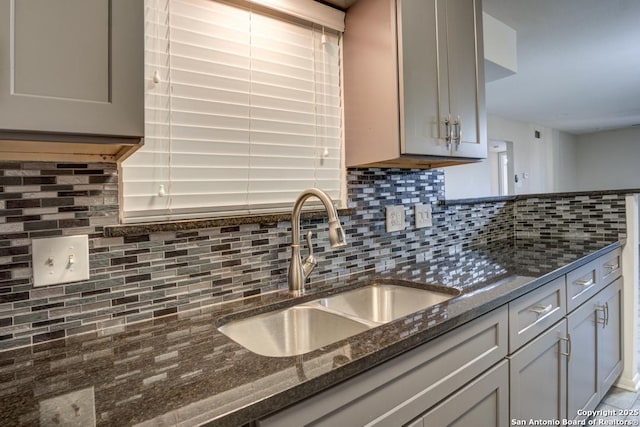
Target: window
(243, 112)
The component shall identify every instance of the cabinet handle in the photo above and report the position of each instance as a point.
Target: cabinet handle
(602, 321)
(539, 310)
(606, 314)
(568, 340)
(611, 267)
(448, 130)
(585, 283)
(457, 132)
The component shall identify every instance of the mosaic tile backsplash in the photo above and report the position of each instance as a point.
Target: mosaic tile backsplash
(577, 216)
(139, 277)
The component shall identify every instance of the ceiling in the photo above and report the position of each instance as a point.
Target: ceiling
(578, 64)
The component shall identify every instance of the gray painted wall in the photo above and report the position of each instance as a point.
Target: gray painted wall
(609, 159)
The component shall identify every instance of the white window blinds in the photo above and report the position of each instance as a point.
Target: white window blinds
(243, 111)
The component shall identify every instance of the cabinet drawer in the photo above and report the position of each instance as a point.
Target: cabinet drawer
(582, 284)
(610, 266)
(534, 312)
(401, 389)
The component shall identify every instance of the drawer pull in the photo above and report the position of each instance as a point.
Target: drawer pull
(568, 340)
(541, 309)
(611, 267)
(601, 321)
(585, 283)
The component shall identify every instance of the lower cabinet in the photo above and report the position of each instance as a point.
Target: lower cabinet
(459, 363)
(610, 344)
(563, 355)
(596, 357)
(485, 401)
(582, 328)
(538, 377)
(570, 367)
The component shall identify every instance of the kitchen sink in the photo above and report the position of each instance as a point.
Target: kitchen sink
(295, 330)
(311, 325)
(382, 303)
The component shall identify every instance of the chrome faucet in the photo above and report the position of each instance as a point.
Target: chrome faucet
(299, 270)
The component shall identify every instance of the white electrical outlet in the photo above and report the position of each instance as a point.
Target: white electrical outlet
(60, 260)
(423, 216)
(395, 218)
(77, 408)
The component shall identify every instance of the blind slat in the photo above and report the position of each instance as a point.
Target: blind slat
(246, 113)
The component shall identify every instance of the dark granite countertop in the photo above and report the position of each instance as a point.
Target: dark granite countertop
(180, 369)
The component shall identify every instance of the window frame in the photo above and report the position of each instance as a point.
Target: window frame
(290, 11)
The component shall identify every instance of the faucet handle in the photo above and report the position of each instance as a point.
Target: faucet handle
(310, 261)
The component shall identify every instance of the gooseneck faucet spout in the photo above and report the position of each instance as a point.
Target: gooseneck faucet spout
(299, 270)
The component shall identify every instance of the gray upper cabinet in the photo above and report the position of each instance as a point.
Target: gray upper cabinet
(441, 82)
(414, 83)
(71, 70)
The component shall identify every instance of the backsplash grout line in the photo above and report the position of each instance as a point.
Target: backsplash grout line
(142, 276)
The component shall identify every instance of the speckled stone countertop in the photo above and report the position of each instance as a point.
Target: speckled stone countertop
(180, 369)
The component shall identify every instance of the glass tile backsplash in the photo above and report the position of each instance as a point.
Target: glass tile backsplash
(140, 277)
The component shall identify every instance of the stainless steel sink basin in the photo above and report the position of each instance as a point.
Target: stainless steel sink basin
(295, 330)
(382, 303)
(311, 325)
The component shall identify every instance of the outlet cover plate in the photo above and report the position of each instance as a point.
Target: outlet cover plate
(77, 408)
(423, 216)
(60, 260)
(395, 218)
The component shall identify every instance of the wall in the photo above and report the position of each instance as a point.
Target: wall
(500, 48)
(139, 277)
(565, 153)
(609, 159)
(543, 165)
(464, 181)
(558, 162)
(531, 157)
(494, 176)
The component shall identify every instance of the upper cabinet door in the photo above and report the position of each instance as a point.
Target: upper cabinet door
(442, 80)
(466, 77)
(414, 83)
(72, 67)
(424, 105)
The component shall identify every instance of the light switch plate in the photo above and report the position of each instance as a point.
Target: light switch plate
(77, 408)
(395, 218)
(60, 260)
(423, 216)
